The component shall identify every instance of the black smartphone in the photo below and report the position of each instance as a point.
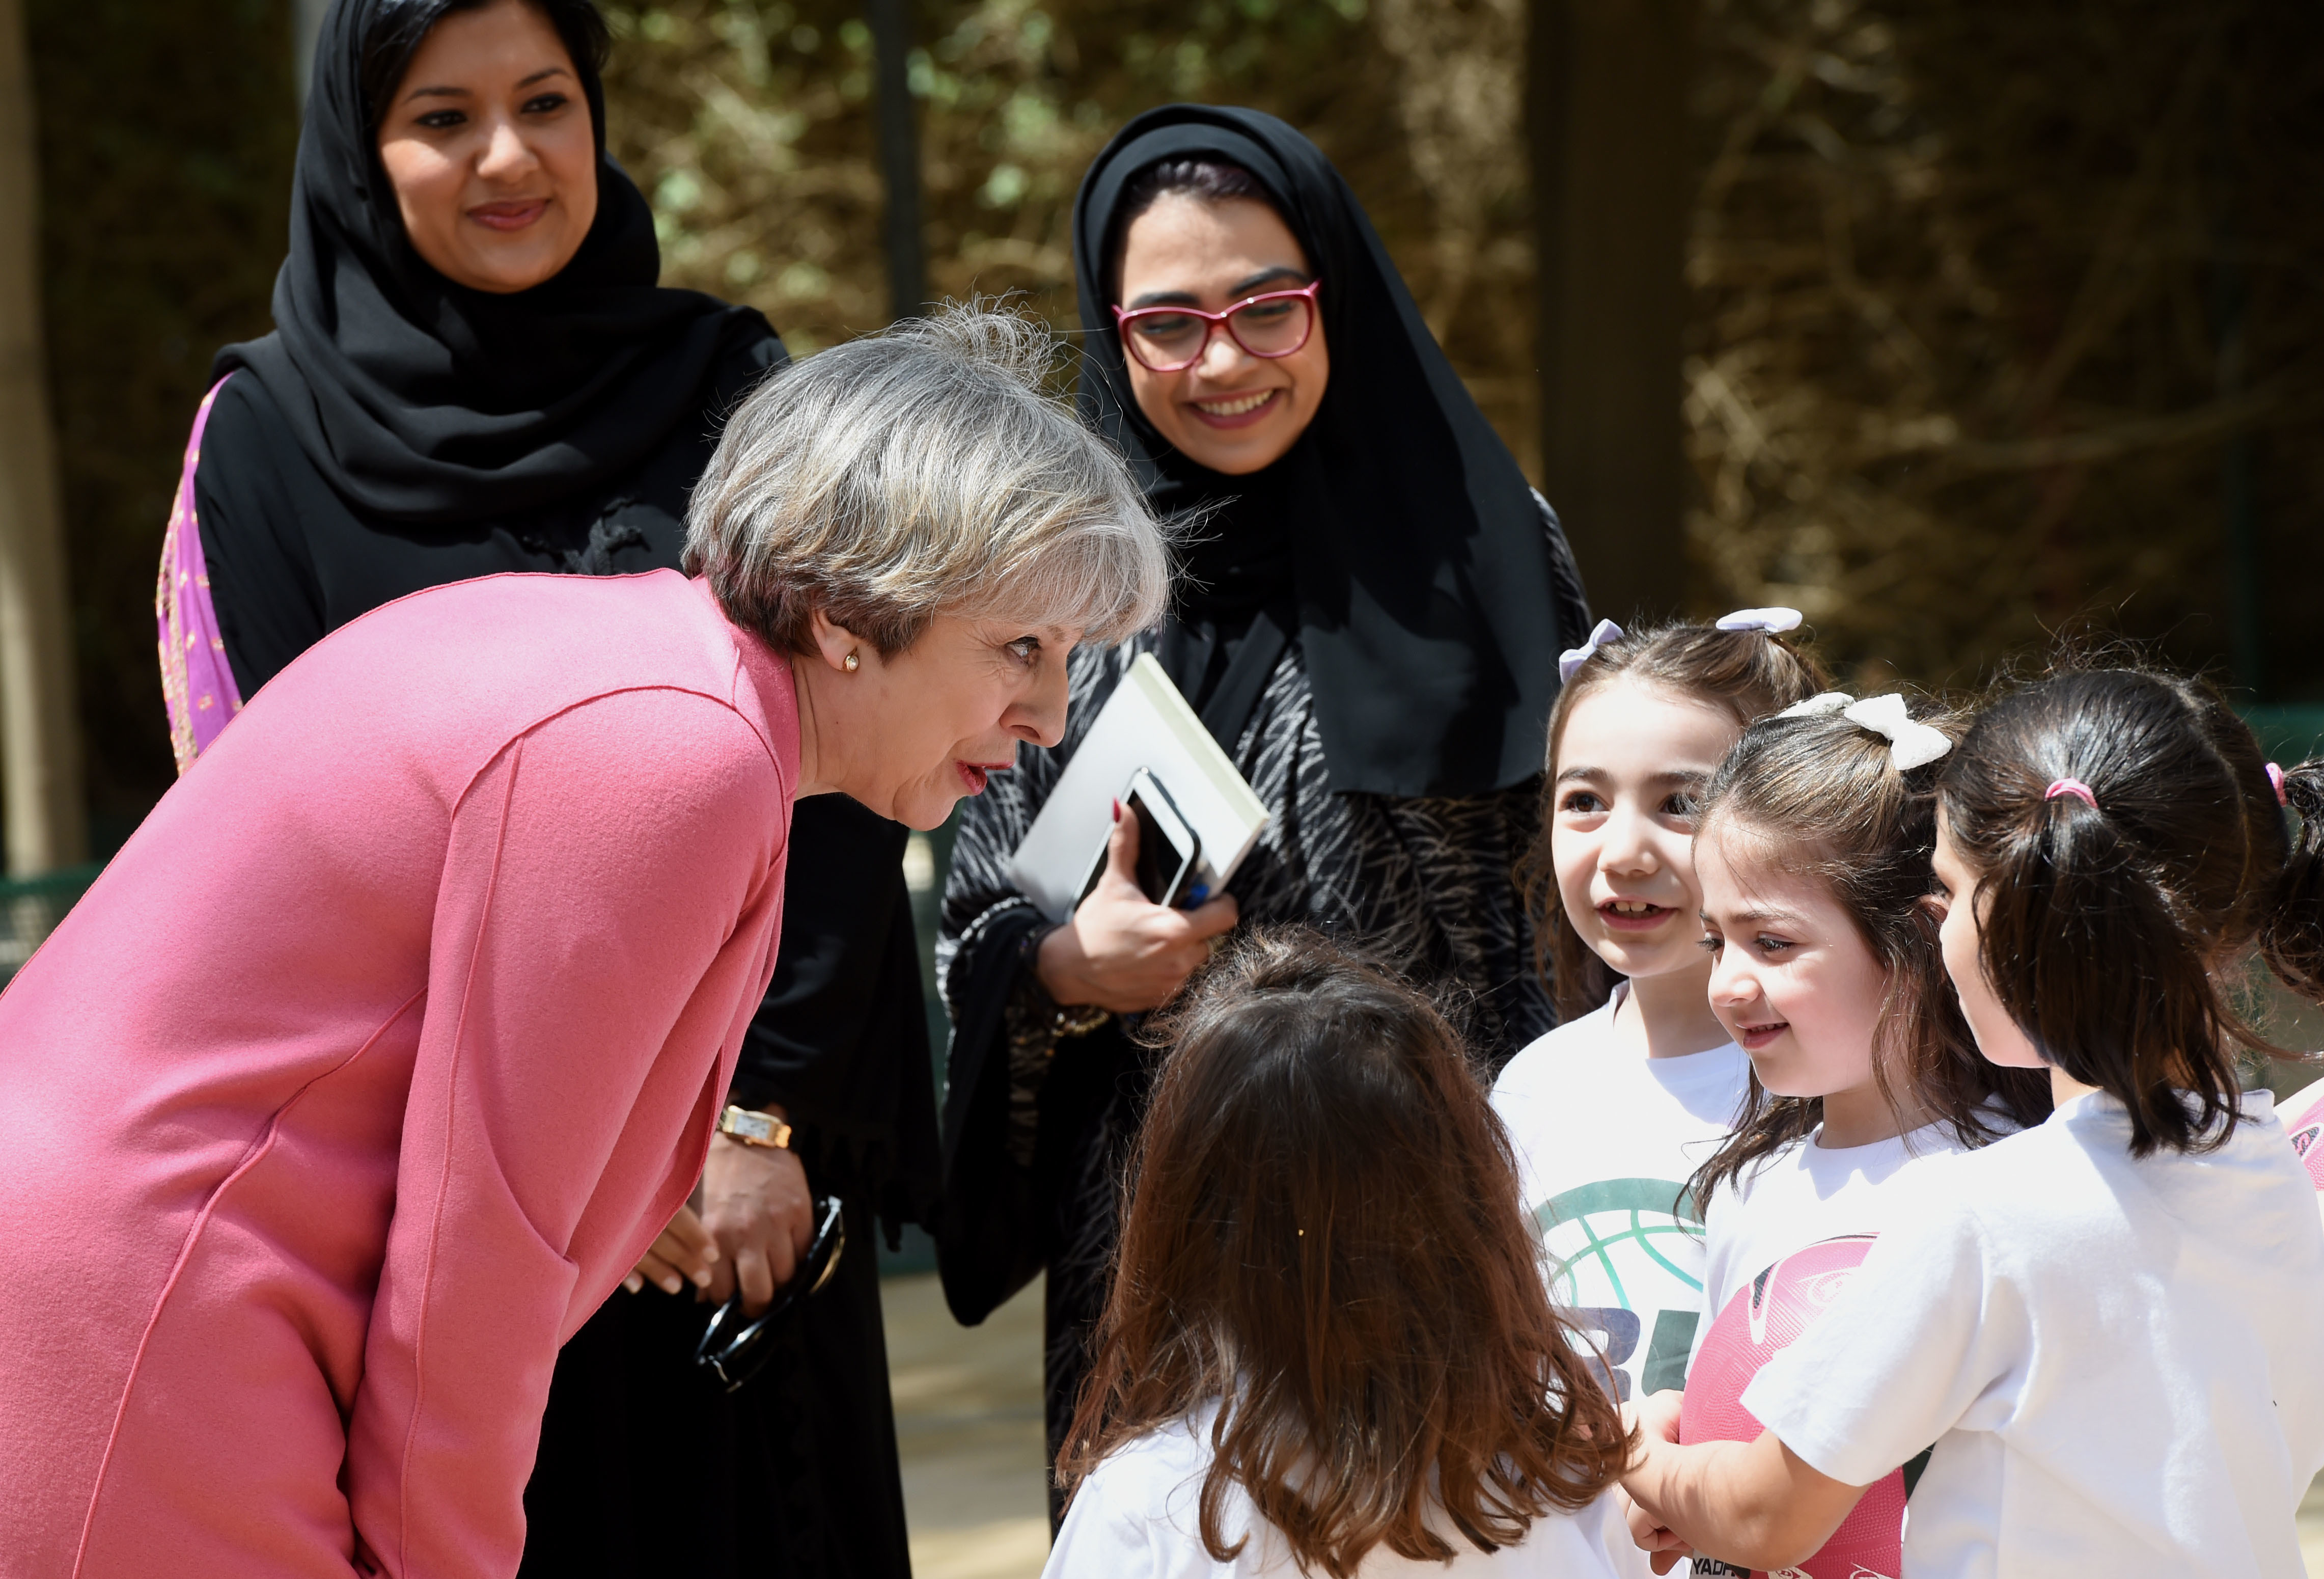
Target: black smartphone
(1169, 851)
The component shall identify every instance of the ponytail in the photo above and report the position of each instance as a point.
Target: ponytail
(2128, 847)
(2294, 937)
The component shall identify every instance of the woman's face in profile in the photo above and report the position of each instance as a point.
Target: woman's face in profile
(489, 146)
(911, 733)
(1230, 411)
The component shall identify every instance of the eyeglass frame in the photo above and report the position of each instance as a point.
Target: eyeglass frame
(1212, 322)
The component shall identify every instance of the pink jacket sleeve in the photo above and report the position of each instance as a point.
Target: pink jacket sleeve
(605, 923)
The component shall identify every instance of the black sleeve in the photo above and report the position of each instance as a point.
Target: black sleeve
(1573, 620)
(253, 487)
(740, 371)
(1006, 1121)
(841, 1040)
(993, 1229)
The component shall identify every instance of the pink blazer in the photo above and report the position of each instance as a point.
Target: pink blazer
(366, 1070)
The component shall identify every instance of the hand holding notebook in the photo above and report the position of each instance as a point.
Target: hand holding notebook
(1146, 738)
(1148, 818)
(1119, 950)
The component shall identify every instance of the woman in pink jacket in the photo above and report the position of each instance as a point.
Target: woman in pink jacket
(398, 1032)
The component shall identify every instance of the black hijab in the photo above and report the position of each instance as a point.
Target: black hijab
(423, 401)
(1397, 532)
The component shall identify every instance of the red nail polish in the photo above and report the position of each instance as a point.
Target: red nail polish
(1117, 812)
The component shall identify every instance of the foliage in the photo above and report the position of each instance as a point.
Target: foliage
(2000, 316)
(749, 122)
(1993, 311)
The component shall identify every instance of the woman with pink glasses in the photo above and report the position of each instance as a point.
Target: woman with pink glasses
(1368, 620)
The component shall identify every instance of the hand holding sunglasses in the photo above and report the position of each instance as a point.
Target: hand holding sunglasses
(735, 1345)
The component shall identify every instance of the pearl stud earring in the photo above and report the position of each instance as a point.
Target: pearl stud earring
(851, 663)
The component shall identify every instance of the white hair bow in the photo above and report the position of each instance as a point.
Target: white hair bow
(1606, 634)
(1910, 745)
(1770, 619)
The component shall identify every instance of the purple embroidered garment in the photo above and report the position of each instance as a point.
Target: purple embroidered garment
(196, 681)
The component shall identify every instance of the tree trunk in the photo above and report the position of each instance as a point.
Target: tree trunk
(39, 738)
(900, 154)
(306, 27)
(1607, 113)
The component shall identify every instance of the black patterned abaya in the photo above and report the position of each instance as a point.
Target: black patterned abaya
(1369, 627)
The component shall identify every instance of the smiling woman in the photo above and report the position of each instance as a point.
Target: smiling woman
(1368, 625)
(486, 136)
(475, 371)
(1228, 357)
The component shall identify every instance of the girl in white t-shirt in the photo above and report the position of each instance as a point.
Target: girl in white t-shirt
(1613, 1112)
(2107, 1325)
(1327, 1349)
(1813, 855)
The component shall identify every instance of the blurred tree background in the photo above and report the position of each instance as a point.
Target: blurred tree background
(166, 136)
(2000, 316)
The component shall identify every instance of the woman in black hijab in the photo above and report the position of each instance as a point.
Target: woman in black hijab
(1368, 622)
(474, 370)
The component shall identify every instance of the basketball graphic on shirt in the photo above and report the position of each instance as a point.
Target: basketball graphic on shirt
(2303, 1121)
(1625, 1259)
(1763, 1317)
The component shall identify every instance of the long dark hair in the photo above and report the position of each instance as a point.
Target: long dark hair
(2110, 925)
(1824, 794)
(1749, 674)
(1322, 1235)
(398, 27)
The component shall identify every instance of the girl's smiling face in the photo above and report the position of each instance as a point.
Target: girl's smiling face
(1632, 758)
(1791, 976)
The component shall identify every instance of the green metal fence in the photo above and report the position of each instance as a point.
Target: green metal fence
(2288, 735)
(31, 908)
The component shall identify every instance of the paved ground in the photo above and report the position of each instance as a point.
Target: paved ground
(968, 1419)
(968, 1423)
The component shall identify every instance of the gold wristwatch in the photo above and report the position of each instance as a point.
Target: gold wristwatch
(754, 1129)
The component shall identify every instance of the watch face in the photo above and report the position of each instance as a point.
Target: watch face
(754, 1129)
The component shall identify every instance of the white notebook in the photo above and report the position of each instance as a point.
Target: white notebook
(1145, 723)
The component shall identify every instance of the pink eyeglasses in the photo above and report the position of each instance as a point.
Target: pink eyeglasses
(1171, 339)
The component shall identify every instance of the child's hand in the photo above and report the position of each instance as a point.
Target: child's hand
(682, 1254)
(1662, 1546)
(1654, 1424)
(1655, 1419)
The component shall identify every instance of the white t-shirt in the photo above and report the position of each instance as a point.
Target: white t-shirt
(1803, 1194)
(1605, 1140)
(1138, 1516)
(2120, 1362)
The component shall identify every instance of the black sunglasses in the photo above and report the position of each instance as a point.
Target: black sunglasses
(734, 1346)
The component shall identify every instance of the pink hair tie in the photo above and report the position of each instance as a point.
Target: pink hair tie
(2073, 787)
(2275, 776)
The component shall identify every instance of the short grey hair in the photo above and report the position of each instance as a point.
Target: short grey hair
(921, 470)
